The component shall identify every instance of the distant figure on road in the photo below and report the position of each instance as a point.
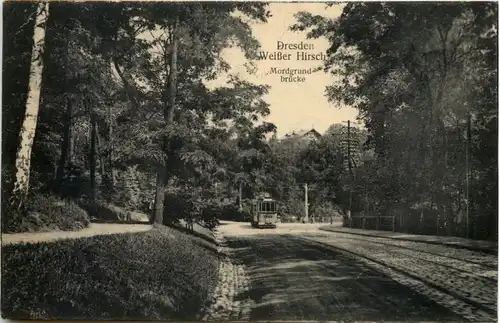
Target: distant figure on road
(151, 206)
(190, 223)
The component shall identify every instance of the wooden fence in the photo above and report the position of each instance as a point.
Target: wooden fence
(386, 223)
(424, 223)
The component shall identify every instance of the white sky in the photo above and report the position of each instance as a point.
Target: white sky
(293, 105)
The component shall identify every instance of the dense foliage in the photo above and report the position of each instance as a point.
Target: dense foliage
(127, 118)
(322, 164)
(125, 115)
(424, 79)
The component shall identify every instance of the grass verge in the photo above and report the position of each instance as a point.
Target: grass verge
(159, 274)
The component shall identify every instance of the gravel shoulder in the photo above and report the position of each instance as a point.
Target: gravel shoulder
(225, 303)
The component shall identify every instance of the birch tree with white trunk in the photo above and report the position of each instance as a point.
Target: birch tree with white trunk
(28, 129)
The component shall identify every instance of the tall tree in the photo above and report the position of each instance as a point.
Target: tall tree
(169, 109)
(414, 94)
(189, 39)
(28, 130)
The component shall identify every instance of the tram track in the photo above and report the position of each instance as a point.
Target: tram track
(484, 260)
(469, 289)
(299, 273)
(478, 275)
(471, 267)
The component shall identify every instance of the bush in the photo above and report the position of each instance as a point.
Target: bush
(104, 211)
(176, 207)
(158, 274)
(289, 219)
(45, 212)
(210, 216)
(231, 212)
(183, 206)
(292, 208)
(133, 190)
(326, 210)
(112, 213)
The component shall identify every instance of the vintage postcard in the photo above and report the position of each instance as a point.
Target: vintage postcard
(250, 161)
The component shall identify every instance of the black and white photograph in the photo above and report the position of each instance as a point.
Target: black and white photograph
(237, 161)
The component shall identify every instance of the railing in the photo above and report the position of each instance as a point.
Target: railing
(372, 222)
(424, 223)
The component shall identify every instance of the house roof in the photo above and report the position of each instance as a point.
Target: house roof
(302, 133)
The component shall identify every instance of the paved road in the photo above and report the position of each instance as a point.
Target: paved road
(294, 277)
(298, 272)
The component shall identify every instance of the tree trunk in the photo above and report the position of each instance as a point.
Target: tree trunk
(169, 108)
(71, 148)
(65, 146)
(379, 120)
(468, 177)
(28, 129)
(102, 166)
(161, 185)
(112, 170)
(130, 89)
(92, 156)
(240, 195)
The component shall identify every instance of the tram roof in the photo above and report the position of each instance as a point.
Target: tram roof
(265, 199)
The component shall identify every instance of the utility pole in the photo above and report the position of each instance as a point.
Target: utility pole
(467, 175)
(306, 204)
(349, 165)
(349, 143)
(240, 194)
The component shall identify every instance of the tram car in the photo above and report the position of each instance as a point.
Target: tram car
(264, 212)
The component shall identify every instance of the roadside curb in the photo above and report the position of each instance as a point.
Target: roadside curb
(493, 251)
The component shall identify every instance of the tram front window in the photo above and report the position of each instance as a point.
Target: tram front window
(268, 207)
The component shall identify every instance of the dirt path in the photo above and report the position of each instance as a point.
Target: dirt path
(93, 230)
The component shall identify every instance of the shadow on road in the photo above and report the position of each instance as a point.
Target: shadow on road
(104, 221)
(199, 230)
(291, 280)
